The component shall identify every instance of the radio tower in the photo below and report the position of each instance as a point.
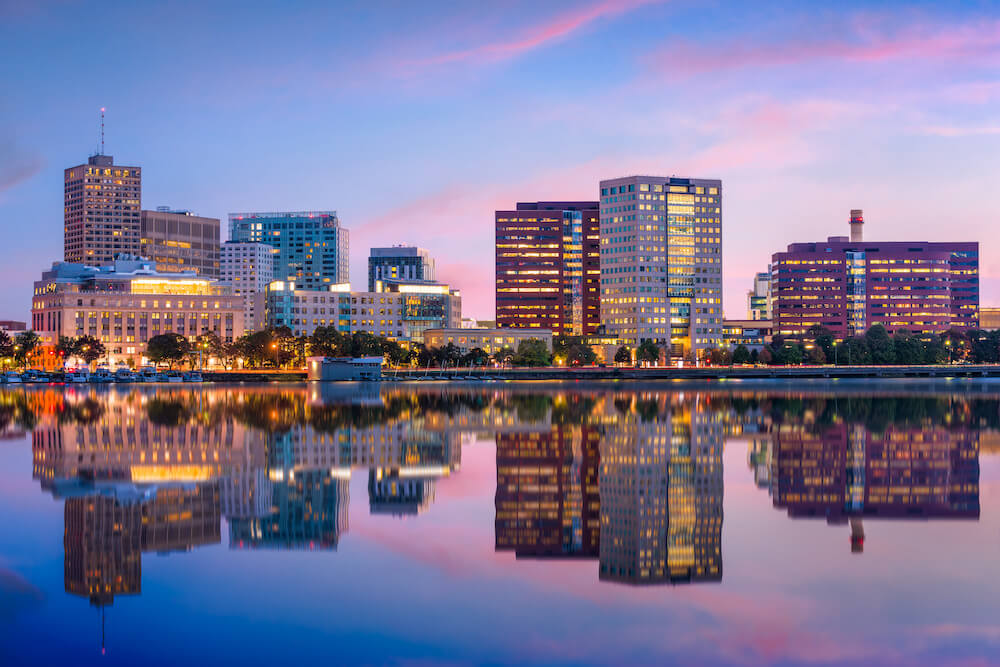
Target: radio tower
(102, 132)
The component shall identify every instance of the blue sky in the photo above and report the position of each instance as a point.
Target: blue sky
(416, 120)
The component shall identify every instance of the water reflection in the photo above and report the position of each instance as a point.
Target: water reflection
(632, 480)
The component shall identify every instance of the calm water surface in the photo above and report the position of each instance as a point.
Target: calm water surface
(732, 523)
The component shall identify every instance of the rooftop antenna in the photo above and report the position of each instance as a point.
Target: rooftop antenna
(102, 132)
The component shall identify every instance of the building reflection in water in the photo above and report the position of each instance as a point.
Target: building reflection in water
(637, 485)
(632, 480)
(846, 472)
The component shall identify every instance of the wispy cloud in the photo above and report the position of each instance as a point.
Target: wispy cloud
(17, 166)
(958, 131)
(862, 40)
(533, 37)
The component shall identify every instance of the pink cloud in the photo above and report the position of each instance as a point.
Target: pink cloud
(955, 131)
(863, 42)
(534, 37)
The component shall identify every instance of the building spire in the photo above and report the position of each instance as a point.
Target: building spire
(101, 151)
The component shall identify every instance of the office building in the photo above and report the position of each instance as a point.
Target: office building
(311, 247)
(399, 263)
(548, 267)
(101, 216)
(759, 298)
(488, 340)
(989, 318)
(180, 241)
(661, 262)
(126, 303)
(752, 334)
(400, 311)
(849, 285)
(247, 269)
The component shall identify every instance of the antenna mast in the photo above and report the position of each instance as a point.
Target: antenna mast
(102, 131)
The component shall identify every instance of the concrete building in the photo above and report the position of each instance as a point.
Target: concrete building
(180, 241)
(312, 248)
(488, 340)
(126, 303)
(101, 211)
(247, 269)
(759, 298)
(548, 267)
(753, 334)
(399, 263)
(989, 318)
(661, 262)
(400, 311)
(851, 285)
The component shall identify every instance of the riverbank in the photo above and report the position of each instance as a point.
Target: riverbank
(704, 373)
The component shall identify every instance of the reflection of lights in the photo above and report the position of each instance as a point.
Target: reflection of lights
(425, 471)
(340, 473)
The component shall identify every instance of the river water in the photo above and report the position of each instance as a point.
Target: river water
(701, 523)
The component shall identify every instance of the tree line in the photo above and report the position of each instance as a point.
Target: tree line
(874, 347)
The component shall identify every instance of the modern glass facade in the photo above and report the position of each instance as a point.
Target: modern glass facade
(312, 247)
(399, 263)
(661, 262)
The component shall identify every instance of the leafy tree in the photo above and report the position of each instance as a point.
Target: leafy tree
(208, 344)
(623, 355)
(790, 353)
(229, 353)
(476, 357)
(581, 354)
(754, 356)
(65, 347)
(88, 348)
(364, 344)
(719, 357)
(765, 356)
(532, 352)
(823, 339)
(169, 348)
(907, 349)
(328, 342)
(880, 345)
(648, 352)
(504, 355)
(6, 345)
(956, 343)
(25, 344)
(741, 355)
(855, 351)
(815, 355)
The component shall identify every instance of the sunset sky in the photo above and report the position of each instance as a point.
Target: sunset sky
(414, 121)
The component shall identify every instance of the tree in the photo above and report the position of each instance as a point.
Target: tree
(6, 345)
(169, 348)
(741, 355)
(328, 342)
(623, 355)
(24, 345)
(581, 354)
(719, 357)
(394, 353)
(880, 345)
(229, 353)
(364, 344)
(504, 355)
(815, 355)
(532, 352)
(855, 351)
(648, 352)
(823, 339)
(754, 356)
(765, 356)
(476, 357)
(790, 353)
(207, 344)
(88, 348)
(906, 348)
(956, 343)
(66, 347)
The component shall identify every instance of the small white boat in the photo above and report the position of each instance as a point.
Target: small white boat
(193, 376)
(101, 375)
(79, 375)
(124, 375)
(174, 376)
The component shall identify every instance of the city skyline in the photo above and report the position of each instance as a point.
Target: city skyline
(866, 107)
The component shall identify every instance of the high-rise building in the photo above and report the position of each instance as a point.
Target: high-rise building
(180, 241)
(248, 268)
(400, 262)
(548, 267)
(312, 247)
(661, 262)
(101, 214)
(759, 298)
(849, 285)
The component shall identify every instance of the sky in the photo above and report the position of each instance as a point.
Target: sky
(415, 121)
